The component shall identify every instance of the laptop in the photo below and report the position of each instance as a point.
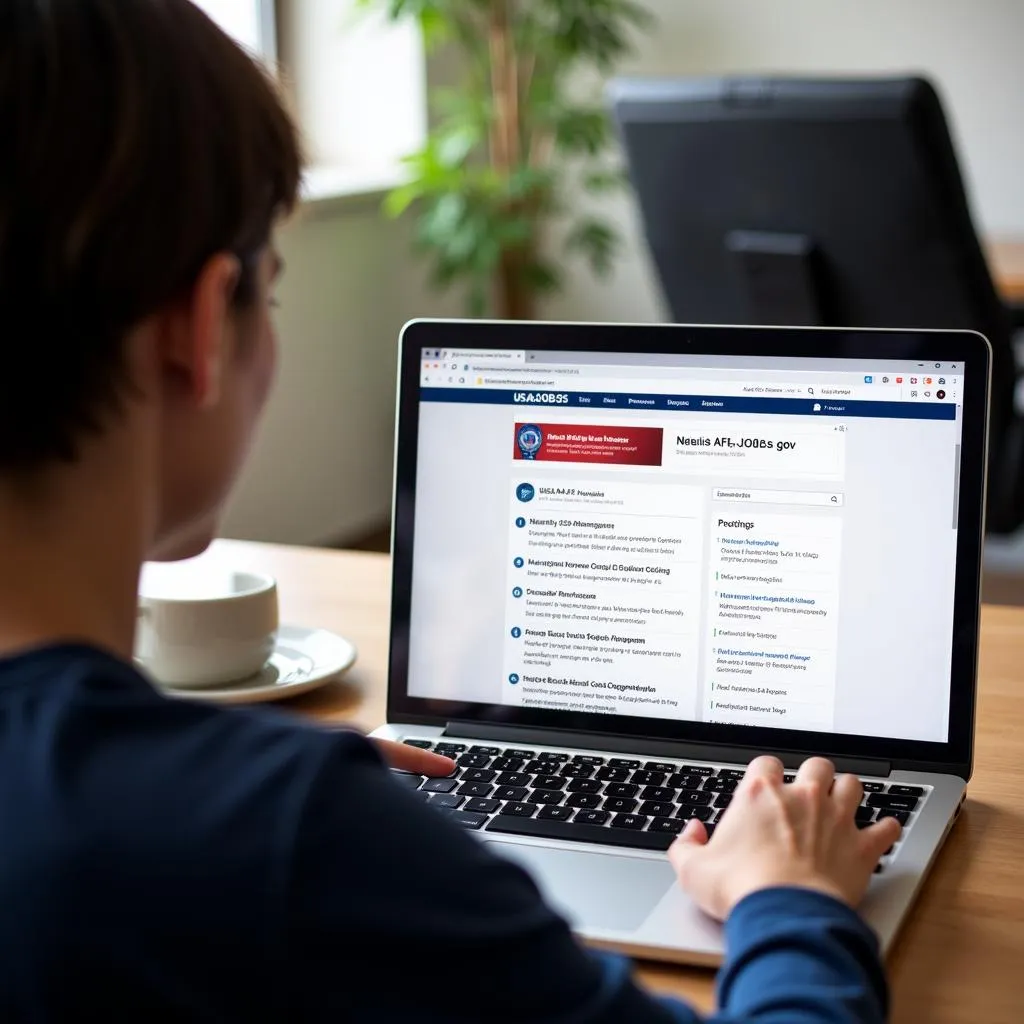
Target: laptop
(628, 559)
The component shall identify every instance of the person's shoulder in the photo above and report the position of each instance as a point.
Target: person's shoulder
(132, 746)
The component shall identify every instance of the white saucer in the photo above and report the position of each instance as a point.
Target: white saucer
(303, 660)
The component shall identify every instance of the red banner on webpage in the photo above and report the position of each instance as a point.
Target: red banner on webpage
(572, 442)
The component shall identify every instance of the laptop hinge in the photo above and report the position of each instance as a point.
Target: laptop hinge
(681, 749)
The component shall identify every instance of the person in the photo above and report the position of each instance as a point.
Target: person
(168, 861)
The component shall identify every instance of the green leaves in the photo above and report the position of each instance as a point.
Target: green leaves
(581, 130)
(596, 241)
(479, 223)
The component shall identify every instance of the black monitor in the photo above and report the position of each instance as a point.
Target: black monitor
(819, 202)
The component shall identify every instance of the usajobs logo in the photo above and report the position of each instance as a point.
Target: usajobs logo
(525, 492)
(529, 438)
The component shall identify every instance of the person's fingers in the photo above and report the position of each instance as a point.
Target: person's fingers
(817, 769)
(765, 767)
(412, 759)
(847, 793)
(877, 838)
(693, 837)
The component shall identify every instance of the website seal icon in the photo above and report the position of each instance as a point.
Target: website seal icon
(529, 438)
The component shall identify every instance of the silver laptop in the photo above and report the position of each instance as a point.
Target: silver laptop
(627, 559)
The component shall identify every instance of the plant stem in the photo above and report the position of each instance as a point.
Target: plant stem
(513, 296)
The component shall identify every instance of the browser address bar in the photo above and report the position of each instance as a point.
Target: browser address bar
(683, 386)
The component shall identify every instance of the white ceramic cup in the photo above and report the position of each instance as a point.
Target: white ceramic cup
(199, 625)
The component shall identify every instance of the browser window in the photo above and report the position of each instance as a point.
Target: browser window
(747, 541)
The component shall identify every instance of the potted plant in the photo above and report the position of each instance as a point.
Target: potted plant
(513, 142)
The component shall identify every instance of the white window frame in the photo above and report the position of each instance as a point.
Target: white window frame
(251, 23)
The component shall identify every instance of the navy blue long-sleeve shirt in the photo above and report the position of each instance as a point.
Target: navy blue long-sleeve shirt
(167, 861)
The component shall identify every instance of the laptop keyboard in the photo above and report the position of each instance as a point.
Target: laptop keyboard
(616, 801)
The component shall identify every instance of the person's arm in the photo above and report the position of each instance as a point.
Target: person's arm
(394, 912)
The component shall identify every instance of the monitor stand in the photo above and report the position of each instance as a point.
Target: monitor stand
(777, 272)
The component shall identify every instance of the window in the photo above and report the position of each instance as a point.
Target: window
(250, 22)
(358, 85)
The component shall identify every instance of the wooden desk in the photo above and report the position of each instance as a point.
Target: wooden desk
(960, 959)
(1006, 261)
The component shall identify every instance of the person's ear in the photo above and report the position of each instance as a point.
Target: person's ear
(199, 344)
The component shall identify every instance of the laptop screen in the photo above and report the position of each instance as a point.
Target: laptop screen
(750, 541)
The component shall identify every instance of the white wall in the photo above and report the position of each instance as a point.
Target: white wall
(973, 49)
(321, 470)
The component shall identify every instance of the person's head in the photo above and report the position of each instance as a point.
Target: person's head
(144, 161)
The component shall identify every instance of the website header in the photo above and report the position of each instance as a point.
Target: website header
(619, 400)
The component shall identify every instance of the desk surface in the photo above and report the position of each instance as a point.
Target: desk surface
(960, 957)
(1006, 261)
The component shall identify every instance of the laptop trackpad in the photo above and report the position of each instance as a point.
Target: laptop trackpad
(595, 890)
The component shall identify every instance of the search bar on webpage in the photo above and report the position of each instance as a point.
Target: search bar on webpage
(825, 499)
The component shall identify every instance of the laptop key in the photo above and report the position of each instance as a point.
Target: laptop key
(906, 791)
(643, 777)
(901, 816)
(657, 793)
(865, 814)
(508, 764)
(717, 784)
(789, 776)
(475, 789)
(489, 751)
(684, 781)
(581, 832)
(545, 796)
(548, 782)
(695, 769)
(478, 775)
(732, 773)
(673, 826)
(584, 786)
(587, 800)
(538, 767)
(872, 787)
(526, 755)
(613, 774)
(660, 766)
(572, 770)
(513, 779)
(591, 817)
(897, 803)
(515, 809)
(723, 800)
(587, 759)
(620, 789)
(445, 800)
(620, 804)
(422, 744)
(622, 762)
(651, 808)
(439, 785)
(514, 793)
(552, 812)
(474, 760)
(450, 748)
(552, 755)
(634, 821)
(467, 819)
(695, 796)
(481, 806)
(688, 811)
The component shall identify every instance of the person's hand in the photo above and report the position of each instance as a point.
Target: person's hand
(801, 834)
(414, 760)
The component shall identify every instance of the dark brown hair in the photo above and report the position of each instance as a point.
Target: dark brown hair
(136, 141)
